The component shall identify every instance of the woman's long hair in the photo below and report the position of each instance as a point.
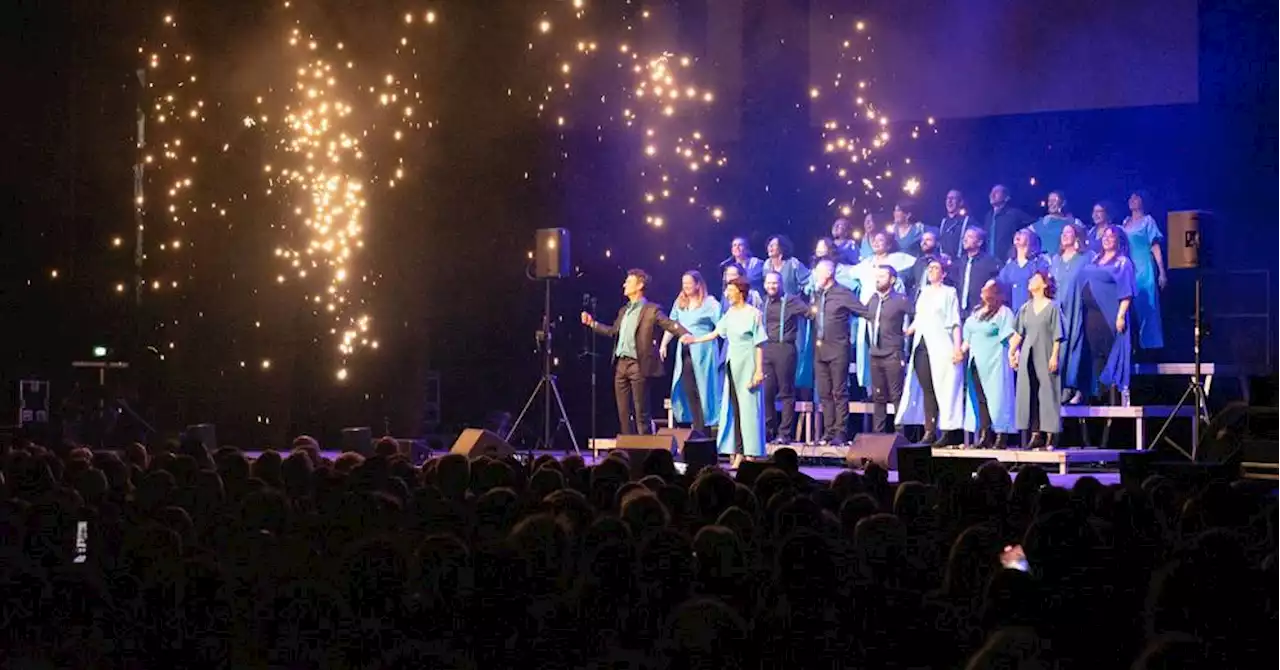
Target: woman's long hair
(993, 298)
(699, 290)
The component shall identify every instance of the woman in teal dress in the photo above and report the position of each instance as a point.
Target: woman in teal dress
(989, 385)
(733, 271)
(742, 405)
(1065, 269)
(1049, 227)
(695, 384)
(795, 277)
(1026, 260)
(1148, 270)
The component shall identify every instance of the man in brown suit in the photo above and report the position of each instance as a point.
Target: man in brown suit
(635, 351)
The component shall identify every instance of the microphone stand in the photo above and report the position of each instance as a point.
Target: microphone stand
(589, 305)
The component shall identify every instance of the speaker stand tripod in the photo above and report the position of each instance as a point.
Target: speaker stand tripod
(1194, 394)
(546, 385)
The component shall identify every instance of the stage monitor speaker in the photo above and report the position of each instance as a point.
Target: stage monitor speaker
(551, 254)
(1185, 239)
(476, 442)
(750, 471)
(682, 435)
(698, 453)
(1187, 476)
(875, 448)
(206, 433)
(915, 463)
(358, 439)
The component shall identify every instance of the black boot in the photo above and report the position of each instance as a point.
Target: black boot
(1037, 440)
(930, 435)
(985, 439)
(1050, 439)
(999, 443)
(943, 441)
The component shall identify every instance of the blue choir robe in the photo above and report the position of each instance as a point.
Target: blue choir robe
(1066, 275)
(1049, 230)
(989, 356)
(1093, 239)
(705, 357)
(937, 319)
(755, 273)
(1014, 277)
(908, 239)
(743, 331)
(795, 281)
(1144, 234)
(1109, 283)
(865, 275)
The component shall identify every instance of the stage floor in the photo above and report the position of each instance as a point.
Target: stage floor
(825, 473)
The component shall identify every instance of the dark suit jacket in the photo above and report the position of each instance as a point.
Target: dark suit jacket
(652, 318)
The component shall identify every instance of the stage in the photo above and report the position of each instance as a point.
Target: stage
(823, 465)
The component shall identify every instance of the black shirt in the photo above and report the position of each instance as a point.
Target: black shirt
(833, 308)
(775, 313)
(1000, 229)
(885, 335)
(982, 268)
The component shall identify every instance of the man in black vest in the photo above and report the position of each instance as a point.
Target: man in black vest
(635, 351)
(887, 312)
(781, 323)
(832, 308)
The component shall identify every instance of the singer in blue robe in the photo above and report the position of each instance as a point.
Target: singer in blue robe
(1025, 261)
(986, 340)
(704, 358)
(1104, 292)
(1148, 274)
(1065, 266)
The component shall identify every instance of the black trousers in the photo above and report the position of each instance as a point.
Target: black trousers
(924, 376)
(780, 387)
(887, 373)
(631, 393)
(984, 410)
(692, 394)
(732, 390)
(831, 383)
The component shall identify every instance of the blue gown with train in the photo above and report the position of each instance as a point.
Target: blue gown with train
(1142, 235)
(989, 357)
(705, 357)
(1066, 275)
(743, 330)
(1108, 284)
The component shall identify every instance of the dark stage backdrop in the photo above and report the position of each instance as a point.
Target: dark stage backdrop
(963, 59)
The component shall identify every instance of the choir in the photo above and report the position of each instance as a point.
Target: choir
(983, 324)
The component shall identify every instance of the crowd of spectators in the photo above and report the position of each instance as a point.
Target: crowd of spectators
(185, 557)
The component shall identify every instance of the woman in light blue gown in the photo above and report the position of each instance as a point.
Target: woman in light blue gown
(1148, 270)
(742, 405)
(1065, 267)
(695, 383)
(1024, 261)
(989, 382)
(864, 273)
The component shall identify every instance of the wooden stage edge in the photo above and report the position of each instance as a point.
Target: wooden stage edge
(1061, 458)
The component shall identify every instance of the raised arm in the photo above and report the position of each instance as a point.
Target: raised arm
(605, 329)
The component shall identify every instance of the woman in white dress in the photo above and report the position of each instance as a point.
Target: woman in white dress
(932, 394)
